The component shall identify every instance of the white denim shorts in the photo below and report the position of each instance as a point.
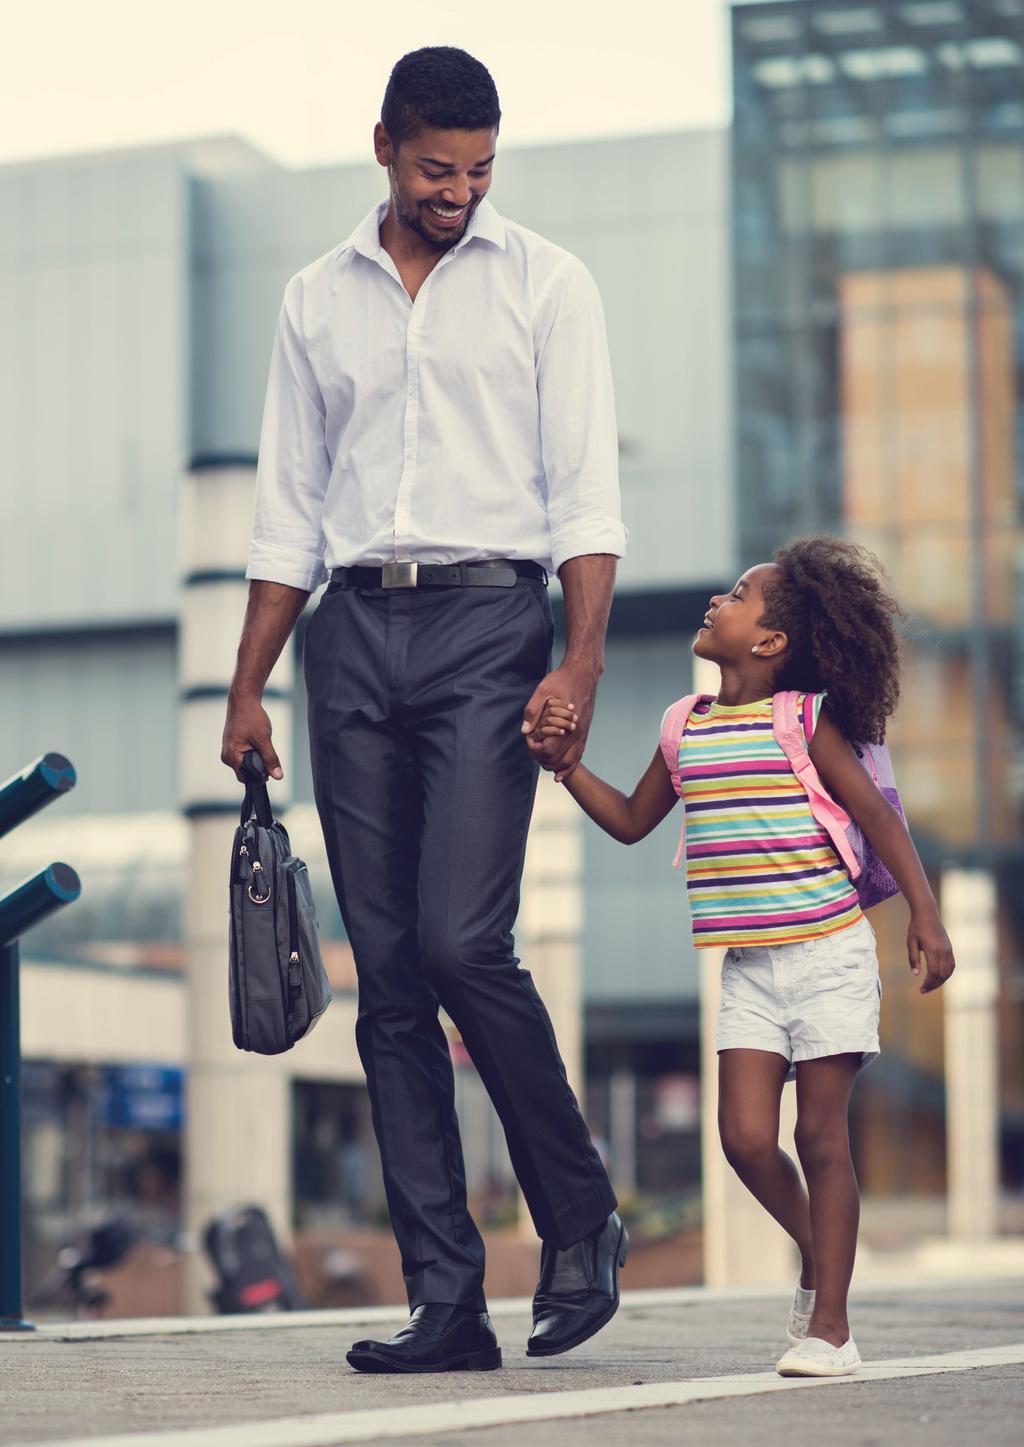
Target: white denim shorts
(803, 1001)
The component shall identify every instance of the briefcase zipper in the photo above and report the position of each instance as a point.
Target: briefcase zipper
(294, 971)
(260, 880)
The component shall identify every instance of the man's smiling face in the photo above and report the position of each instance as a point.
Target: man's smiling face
(438, 179)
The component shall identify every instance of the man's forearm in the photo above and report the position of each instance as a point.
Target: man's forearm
(270, 616)
(587, 586)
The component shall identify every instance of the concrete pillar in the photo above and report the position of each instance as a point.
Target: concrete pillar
(237, 1133)
(622, 1130)
(550, 925)
(743, 1246)
(971, 1054)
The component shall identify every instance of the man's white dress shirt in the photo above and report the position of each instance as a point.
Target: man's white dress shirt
(476, 422)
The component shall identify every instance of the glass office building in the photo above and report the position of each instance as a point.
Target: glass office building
(878, 253)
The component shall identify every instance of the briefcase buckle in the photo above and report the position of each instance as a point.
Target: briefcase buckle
(399, 575)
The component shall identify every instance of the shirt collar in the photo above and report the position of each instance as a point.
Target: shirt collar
(484, 225)
(487, 225)
(366, 237)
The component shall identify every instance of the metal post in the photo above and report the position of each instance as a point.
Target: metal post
(10, 1145)
(24, 906)
(37, 785)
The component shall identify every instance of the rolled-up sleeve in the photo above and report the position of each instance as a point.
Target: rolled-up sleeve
(579, 440)
(287, 544)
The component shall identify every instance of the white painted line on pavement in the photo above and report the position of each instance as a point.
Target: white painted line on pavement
(370, 1315)
(422, 1419)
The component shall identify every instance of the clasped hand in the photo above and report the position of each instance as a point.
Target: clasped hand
(554, 736)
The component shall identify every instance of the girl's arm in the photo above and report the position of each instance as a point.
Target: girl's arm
(625, 819)
(847, 780)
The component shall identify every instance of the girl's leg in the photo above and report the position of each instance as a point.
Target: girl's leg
(749, 1091)
(823, 1145)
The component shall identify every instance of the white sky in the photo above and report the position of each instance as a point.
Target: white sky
(303, 80)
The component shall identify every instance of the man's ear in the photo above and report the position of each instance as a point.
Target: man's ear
(382, 147)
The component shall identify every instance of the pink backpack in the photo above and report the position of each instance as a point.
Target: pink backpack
(793, 733)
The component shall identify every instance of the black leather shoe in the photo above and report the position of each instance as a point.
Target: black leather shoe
(578, 1291)
(437, 1338)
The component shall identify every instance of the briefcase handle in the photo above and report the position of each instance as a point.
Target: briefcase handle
(257, 799)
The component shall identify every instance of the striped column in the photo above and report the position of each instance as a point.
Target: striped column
(743, 1246)
(238, 1127)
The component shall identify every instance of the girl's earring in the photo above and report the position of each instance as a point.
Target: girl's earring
(754, 649)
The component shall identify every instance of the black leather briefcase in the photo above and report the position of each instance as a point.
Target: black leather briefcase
(277, 984)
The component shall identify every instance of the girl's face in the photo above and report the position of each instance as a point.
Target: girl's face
(731, 629)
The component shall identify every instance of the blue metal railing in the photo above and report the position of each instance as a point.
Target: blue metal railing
(22, 907)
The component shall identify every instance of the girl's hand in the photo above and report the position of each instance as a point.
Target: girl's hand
(926, 937)
(845, 779)
(557, 719)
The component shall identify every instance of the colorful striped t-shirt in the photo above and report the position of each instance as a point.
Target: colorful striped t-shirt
(760, 869)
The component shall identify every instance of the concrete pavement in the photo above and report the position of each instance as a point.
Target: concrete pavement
(687, 1366)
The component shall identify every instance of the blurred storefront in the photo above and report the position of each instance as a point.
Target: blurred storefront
(878, 252)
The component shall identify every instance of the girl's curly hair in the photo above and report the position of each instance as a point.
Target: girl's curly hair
(830, 598)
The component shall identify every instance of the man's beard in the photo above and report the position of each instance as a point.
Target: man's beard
(414, 221)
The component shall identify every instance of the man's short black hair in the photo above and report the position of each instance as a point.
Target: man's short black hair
(440, 88)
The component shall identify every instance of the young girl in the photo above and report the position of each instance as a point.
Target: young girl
(800, 984)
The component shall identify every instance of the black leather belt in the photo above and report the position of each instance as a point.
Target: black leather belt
(499, 573)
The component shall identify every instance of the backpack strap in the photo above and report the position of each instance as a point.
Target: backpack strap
(672, 729)
(793, 731)
(672, 726)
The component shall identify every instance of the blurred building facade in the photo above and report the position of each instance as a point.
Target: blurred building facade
(815, 323)
(141, 290)
(878, 254)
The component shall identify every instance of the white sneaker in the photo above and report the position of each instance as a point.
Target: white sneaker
(800, 1314)
(816, 1358)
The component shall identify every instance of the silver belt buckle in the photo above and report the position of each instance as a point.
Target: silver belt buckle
(399, 575)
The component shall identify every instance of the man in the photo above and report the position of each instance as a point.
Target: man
(439, 430)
